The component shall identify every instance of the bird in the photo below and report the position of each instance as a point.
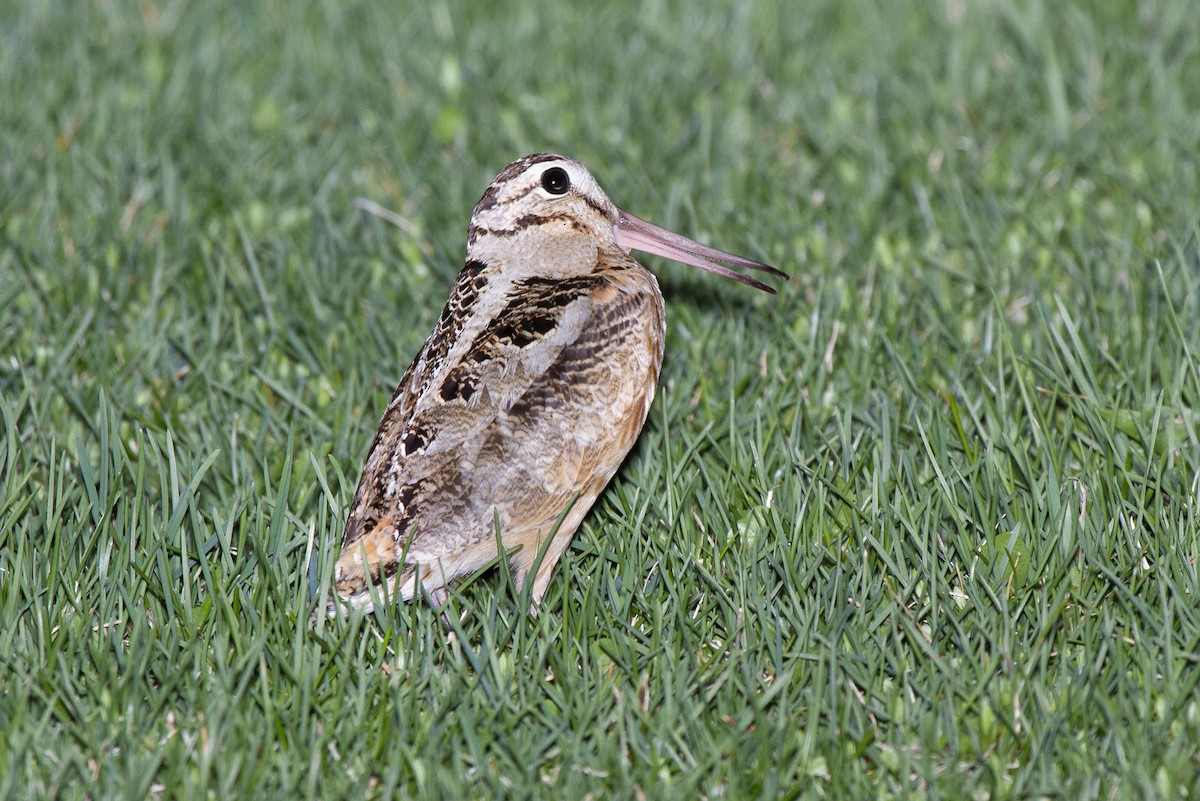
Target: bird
(525, 399)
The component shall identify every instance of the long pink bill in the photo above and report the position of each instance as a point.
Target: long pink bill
(634, 233)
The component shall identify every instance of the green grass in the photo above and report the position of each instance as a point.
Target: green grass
(925, 525)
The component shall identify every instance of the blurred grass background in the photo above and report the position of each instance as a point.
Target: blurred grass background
(925, 525)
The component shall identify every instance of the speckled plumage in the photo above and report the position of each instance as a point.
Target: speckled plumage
(532, 388)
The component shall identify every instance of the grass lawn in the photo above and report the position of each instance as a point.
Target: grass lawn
(925, 525)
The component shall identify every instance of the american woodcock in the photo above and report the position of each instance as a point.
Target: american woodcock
(532, 388)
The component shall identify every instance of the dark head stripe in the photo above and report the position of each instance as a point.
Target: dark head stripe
(490, 199)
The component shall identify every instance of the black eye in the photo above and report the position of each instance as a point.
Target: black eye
(556, 181)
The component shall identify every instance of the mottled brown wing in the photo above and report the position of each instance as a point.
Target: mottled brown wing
(547, 398)
(566, 416)
(377, 496)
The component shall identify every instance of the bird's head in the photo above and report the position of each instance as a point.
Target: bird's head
(547, 213)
